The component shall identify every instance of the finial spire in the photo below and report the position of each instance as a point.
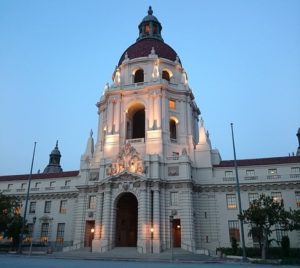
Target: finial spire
(150, 11)
(56, 144)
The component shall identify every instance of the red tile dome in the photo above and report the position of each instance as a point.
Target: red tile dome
(143, 47)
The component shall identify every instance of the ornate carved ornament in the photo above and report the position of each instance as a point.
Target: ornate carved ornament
(127, 160)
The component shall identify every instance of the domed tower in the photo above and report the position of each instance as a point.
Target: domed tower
(54, 161)
(149, 102)
(148, 153)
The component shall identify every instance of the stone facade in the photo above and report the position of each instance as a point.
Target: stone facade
(152, 162)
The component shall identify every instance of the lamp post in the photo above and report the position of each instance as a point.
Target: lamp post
(26, 202)
(239, 195)
(171, 235)
(151, 231)
(92, 234)
(33, 223)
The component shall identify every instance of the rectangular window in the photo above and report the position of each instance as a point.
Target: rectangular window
(63, 206)
(47, 207)
(60, 233)
(32, 207)
(9, 186)
(30, 230)
(272, 171)
(92, 202)
(67, 183)
(52, 183)
(277, 197)
(250, 172)
(252, 197)
(174, 198)
(297, 199)
(44, 232)
(172, 104)
(295, 170)
(231, 201)
(234, 231)
(23, 185)
(280, 233)
(37, 185)
(228, 174)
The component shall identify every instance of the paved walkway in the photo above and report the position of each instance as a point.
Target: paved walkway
(131, 254)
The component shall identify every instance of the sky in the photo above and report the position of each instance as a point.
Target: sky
(242, 59)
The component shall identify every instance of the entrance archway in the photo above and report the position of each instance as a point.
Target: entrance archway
(126, 220)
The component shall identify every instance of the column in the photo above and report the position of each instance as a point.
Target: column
(158, 117)
(79, 219)
(106, 222)
(117, 115)
(96, 243)
(109, 116)
(142, 222)
(156, 222)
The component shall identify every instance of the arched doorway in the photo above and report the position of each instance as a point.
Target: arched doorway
(126, 220)
(135, 121)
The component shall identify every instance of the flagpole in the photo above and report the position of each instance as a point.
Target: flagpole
(26, 201)
(239, 195)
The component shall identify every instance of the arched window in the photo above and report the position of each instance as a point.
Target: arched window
(135, 122)
(166, 75)
(173, 131)
(138, 76)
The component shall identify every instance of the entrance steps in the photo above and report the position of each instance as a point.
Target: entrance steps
(131, 253)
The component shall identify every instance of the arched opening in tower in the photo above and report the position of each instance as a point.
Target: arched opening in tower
(173, 131)
(138, 76)
(136, 122)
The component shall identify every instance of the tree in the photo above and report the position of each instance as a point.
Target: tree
(10, 219)
(262, 215)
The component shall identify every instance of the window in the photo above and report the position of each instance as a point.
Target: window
(52, 183)
(297, 198)
(47, 207)
(23, 185)
(44, 232)
(277, 197)
(92, 202)
(272, 171)
(63, 206)
(9, 186)
(252, 197)
(295, 170)
(280, 233)
(173, 134)
(60, 233)
(172, 104)
(234, 231)
(30, 230)
(175, 154)
(173, 198)
(231, 201)
(138, 76)
(165, 75)
(32, 207)
(67, 182)
(228, 174)
(37, 184)
(250, 172)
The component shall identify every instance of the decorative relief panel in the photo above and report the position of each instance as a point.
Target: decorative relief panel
(127, 160)
(173, 171)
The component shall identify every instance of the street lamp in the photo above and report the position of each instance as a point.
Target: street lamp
(151, 231)
(33, 223)
(92, 234)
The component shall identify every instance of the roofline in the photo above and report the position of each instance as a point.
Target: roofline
(260, 161)
(40, 176)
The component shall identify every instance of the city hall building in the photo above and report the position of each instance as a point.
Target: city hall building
(150, 178)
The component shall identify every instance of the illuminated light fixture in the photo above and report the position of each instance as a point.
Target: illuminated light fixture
(178, 226)
(151, 230)
(92, 230)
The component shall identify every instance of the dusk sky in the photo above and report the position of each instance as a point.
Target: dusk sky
(242, 59)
